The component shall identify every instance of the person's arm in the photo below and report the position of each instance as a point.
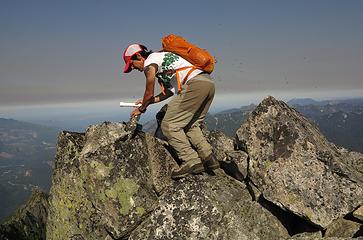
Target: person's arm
(150, 72)
(159, 98)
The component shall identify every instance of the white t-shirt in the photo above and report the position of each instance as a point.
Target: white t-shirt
(170, 61)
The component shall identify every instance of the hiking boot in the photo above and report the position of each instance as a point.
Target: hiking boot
(210, 163)
(187, 168)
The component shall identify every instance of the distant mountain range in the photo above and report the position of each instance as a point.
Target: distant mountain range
(228, 121)
(303, 101)
(26, 157)
(340, 121)
(354, 102)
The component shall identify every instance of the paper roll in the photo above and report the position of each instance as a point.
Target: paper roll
(127, 104)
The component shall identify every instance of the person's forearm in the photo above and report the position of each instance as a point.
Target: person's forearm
(147, 100)
(162, 97)
(149, 89)
(150, 100)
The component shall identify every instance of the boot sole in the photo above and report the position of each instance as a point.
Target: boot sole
(213, 167)
(198, 168)
(195, 169)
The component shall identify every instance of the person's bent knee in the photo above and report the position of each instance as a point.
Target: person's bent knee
(170, 130)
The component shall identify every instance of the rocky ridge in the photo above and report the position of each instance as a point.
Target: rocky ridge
(280, 179)
(29, 221)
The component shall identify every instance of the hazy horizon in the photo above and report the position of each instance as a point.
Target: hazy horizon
(109, 110)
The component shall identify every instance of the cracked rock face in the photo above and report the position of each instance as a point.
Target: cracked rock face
(205, 207)
(296, 168)
(359, 213)
(342, 228)
(104, 183)
(232, 161)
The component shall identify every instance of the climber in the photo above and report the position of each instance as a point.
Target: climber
(187, 109)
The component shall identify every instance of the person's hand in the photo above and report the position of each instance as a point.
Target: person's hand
(135, 112)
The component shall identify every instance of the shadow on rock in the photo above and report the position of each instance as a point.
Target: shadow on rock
(231, 169)
(293, 223)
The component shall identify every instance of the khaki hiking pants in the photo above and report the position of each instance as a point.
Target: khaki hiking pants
(186, 111)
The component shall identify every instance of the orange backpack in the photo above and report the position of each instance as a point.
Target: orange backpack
(199, 57)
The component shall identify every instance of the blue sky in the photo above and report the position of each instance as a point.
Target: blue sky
(54, 52)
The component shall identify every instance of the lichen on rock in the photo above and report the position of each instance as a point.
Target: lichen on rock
(105, 183)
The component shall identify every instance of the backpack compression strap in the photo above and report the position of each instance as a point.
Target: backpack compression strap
(176, 71)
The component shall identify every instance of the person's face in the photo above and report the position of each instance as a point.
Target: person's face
(137, 63)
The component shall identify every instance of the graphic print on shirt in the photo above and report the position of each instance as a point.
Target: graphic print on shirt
(168, 60)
